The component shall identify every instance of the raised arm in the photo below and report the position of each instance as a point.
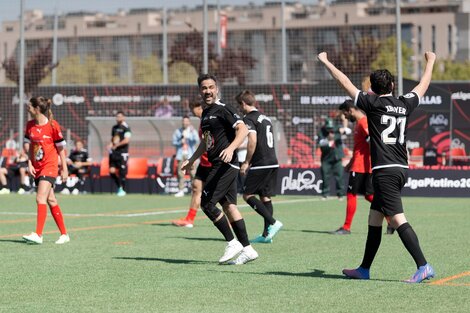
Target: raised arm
(342, 80)
(423, 85)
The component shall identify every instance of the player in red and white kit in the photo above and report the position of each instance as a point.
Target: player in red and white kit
(46, 145)
(360, 171)
(202, 171)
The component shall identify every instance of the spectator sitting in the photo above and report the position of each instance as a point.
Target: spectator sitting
(164, 109)
(78, 164)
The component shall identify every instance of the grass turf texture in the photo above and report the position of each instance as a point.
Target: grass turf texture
(124, 256)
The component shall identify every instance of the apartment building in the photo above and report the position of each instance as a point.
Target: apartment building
(438, 25)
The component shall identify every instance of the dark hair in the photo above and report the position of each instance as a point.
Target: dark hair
(204, 77)
(120, 112)
(44, 106)
(381, 82)
(246, 96)
(185, 116)
(195, 103)
(346, 105)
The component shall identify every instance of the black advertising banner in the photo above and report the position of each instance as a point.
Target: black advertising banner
(420, 182)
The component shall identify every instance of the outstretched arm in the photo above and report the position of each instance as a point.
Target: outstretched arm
(342, 80)
(423, 85)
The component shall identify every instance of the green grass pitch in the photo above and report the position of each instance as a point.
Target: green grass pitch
(124, 256)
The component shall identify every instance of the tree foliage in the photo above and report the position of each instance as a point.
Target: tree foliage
(451, 70)
(181, 73)
(36, 68)
(76, 70)
(387, 57)
(146, 70)
(233, 64)
(354, 55)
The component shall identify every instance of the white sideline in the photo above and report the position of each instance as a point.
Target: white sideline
(147, 213)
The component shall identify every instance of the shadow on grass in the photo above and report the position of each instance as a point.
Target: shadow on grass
(163, 224)
(316, 273)
(202, 239)
(14, 241)
(169, 261)
(316, 231)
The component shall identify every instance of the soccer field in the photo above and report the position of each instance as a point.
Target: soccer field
(125, 256)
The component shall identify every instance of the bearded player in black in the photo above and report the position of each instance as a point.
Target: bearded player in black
(260, 165)
(119, 152)
(387, 118)
(223, 131)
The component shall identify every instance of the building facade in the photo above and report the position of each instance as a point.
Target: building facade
(438, 25)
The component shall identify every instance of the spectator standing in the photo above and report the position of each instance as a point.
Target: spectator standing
(185, 140)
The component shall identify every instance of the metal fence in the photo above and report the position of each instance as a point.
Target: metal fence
(94, 64)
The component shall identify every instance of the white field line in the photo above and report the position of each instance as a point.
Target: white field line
(149, 213)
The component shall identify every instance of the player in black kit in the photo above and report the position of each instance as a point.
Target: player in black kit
(387, 117)
(78, 164)
(119, 152)
(260, 165)
(223, 131)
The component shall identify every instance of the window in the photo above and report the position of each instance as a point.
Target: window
(420, 40)
(449, 39)
(433, 38)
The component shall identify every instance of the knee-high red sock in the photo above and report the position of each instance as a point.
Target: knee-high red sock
(191, 214)
(41, 218)
(369, 198)
(59, 219)
(351, 206)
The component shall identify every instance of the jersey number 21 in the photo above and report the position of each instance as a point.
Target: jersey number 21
(393, 122)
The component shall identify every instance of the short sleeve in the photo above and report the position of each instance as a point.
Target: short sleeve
(57, 134)
(26, 134)
(411, 101)
(250, 125)
(231, 116)
(362, 101)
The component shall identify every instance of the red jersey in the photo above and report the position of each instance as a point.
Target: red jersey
(44, 140)
(204, 160)
(360, 162)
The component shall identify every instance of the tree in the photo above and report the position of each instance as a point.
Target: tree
(181, 73)
(387, 57)
(233, 64)
(146, 70)
(354, 55)
(77, 70)
(37, 67)
(451, 70)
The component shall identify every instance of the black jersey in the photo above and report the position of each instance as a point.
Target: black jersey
(79, 155)
(118, 133)
(265, 154)
(218, 123)
(387, 117)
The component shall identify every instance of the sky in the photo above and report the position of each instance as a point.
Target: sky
(9, 9)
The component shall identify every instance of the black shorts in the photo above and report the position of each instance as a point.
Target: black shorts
(46, 178)
(118, 160)
(261, 182)
(202, 172)
(388, 183)
(360, 183)
(15, 167)
(220, 185)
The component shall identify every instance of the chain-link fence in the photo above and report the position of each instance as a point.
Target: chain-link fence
(145, 62)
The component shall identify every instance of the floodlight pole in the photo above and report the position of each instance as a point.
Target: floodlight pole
(21, 78)
(54, 46)
(165, 47)
(283, 42)
(399, 56)
(205, 67)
